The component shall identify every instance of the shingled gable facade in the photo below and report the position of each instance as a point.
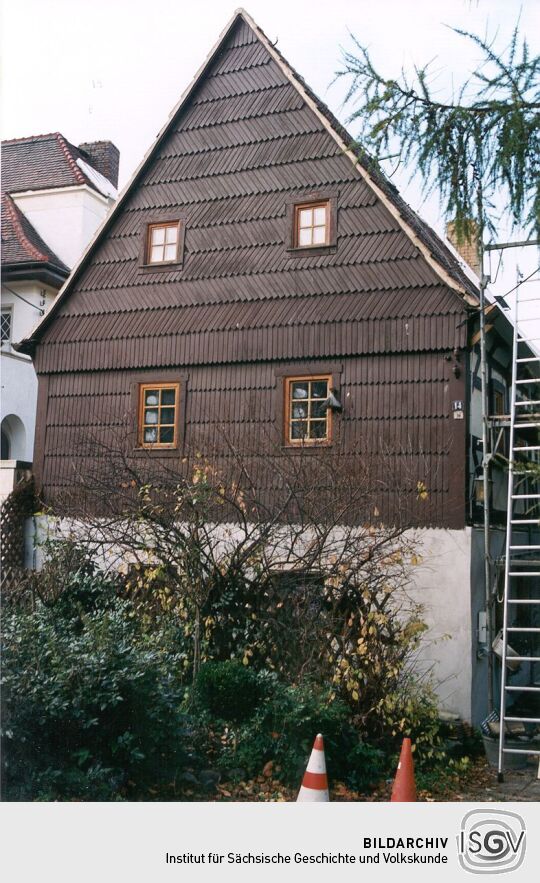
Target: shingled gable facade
(252, 247)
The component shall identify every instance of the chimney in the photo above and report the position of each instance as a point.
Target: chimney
(466, 246)
(104, 156)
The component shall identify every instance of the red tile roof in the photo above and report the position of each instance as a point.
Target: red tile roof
(21, 243)
(38, 162)
(41, 162)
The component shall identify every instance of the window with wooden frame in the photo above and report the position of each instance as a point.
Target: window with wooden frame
(308, 420)
(158, 415)
(312, 224)
(163, 243)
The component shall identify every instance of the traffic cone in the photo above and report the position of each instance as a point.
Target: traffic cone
(314, 787)
(404, 788)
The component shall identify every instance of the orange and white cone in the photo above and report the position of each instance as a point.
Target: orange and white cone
(315, 784)
(404, 788)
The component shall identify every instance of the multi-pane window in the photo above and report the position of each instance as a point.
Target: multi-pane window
(163, 243)
(158, 415)
(5, 326)
(312, 224)
(308, 417)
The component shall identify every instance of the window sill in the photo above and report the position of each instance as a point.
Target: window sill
(310, 251)
(156, 452)
(309, 446)
(161, 268)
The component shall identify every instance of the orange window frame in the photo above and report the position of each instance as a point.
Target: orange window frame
(142, 425)
(164, 225)
(325, 204)
(289, 420)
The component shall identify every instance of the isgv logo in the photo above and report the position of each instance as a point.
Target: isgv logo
(491, 841)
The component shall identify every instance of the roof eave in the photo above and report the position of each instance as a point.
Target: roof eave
(42, 271)
(26, 346)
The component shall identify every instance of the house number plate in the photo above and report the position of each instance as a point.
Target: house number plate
(457, 408)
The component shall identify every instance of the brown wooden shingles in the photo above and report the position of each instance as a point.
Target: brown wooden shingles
(388, 404)
(242, 307)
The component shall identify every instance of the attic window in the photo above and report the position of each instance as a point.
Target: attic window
(163, 243)
(312, 224)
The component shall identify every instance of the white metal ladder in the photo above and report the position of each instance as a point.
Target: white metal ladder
(517, 515)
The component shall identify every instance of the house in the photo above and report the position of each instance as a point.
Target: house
(255, 264)
(54, 196)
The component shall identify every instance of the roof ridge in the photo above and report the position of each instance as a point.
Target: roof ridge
(30, 138)
(71, 161)
(14, 216)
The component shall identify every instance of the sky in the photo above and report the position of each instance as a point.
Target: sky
(114, 69)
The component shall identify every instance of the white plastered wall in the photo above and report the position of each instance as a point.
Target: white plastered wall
(440, 582)
(25, 301)
(66, 218)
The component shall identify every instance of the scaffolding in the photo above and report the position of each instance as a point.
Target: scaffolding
(523, 513)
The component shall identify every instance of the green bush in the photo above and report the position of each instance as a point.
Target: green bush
(95, 674)
(411, 710)
(283, 729)
(228, 690)
(91, 705)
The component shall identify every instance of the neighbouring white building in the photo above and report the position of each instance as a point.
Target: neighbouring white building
(54, 197)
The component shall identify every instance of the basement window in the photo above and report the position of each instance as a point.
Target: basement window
(308, 419)
(158, 415)
(283, 583)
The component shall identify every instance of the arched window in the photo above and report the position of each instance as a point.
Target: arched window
(13, 438)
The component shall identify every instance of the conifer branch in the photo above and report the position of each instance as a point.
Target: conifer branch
(489, 128)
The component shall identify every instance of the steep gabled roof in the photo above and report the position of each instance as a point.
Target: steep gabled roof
(22, 245)
(437, 248)
(245, 85)
(43, 162)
